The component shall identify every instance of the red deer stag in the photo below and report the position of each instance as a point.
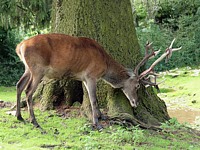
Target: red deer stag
(59, 55)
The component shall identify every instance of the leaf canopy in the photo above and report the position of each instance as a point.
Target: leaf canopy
(25, 13)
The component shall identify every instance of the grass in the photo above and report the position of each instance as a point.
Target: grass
(76, 133)
(182, 90)
(7, 93)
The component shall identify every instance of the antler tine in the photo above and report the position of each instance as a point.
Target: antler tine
(145, 59)
(147, 47)
(167, 53)
(172, 43)
(155, 53)
(144, 73)
(147, 82)
(174, 49)
(171, 50)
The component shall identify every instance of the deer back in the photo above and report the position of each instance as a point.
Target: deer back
(58, 54)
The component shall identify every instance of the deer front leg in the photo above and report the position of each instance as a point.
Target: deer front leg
(90, 85)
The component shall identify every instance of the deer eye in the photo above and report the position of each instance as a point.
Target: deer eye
(137, 86)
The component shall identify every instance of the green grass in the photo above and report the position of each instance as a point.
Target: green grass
(181, 91)
(76, 134)
(7, 93)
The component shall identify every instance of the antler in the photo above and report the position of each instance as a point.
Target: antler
(146, 58)
(142, 77)
(167, 54)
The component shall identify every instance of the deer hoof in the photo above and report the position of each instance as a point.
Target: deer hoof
(34, 122)
(19, 117)
(97, 127)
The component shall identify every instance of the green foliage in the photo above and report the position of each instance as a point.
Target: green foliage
(28, 14)
(183, 18)
(172, 124)
(161, 39)
(190, 39)
(186, 36)
(174, 18)
(170, 10)
(141, 11)
(10, 66)
(126, 135)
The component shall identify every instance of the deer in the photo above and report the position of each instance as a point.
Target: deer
(56, 56)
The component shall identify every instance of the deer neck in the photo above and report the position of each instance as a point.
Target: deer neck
(116, 75)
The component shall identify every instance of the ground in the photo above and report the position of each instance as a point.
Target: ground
(181, 93)
(67, 130)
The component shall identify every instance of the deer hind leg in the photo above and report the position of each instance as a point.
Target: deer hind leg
(90, 85)
(32, 85)
(21, 84)
(99, 114)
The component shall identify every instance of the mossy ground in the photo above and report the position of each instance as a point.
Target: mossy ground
(73, 132)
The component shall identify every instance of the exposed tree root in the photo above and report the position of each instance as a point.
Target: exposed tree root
(127, 119)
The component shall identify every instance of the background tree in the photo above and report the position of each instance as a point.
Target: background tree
(19, 19)
(10, 67)
(111, 24)
(22, 13)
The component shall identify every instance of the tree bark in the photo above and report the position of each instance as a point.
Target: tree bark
(111, 24)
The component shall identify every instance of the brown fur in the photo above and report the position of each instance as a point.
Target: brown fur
(65, 54)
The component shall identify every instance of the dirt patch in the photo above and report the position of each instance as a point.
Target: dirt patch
(185, 115)
(68, 112)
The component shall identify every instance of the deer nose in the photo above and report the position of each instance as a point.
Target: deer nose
(134, 104)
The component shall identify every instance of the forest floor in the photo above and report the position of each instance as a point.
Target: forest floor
(70, 131)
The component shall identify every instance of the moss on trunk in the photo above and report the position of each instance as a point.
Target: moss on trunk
(52, 93)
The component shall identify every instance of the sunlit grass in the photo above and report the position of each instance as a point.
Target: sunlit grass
(8, 93)
(77, 134)
(184, 90)
(71, 133)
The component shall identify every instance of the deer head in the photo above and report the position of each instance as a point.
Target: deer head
(132, 84)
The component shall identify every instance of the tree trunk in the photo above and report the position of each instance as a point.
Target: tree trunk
(111, 24)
